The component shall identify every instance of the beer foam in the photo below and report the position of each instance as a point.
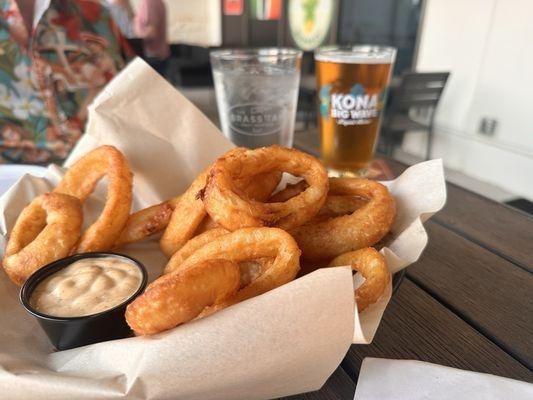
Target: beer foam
(362, 55)
(354, 59)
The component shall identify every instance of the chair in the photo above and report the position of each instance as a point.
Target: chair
(412, 107)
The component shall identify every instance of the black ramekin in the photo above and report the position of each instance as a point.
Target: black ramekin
(69, 332)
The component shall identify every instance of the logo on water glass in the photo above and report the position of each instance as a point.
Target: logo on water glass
(253, 119)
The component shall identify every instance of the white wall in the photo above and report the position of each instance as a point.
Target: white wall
(197, 22)
(487, 45)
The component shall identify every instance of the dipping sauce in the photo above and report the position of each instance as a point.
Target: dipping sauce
(86, 287)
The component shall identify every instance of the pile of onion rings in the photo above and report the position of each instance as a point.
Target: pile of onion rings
(234, 234)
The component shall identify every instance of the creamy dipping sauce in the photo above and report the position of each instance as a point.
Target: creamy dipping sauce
(87, 286)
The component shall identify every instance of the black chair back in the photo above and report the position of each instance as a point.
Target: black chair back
(420, 90)
(417, 91)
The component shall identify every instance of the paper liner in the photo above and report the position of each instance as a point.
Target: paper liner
(415, 380)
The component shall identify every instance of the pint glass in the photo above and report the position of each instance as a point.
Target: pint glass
(257, 94)
(352, 86)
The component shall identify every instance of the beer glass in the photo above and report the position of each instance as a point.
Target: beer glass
(352, 86)
(257, 94)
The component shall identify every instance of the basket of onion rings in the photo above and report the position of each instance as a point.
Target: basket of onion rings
(263, 270)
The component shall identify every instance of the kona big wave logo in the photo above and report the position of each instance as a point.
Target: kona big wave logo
(353, 108)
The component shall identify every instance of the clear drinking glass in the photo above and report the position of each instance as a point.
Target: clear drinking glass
(257, 94)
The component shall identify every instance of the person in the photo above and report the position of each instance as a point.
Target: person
(122, 13)
(150, 24)
(55, 56)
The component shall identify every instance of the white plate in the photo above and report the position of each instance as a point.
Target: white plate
(10, 173)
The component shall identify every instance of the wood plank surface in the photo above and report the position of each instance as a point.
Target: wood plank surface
(502, 229)
(416, 326)
(338, 387)
(492, 294)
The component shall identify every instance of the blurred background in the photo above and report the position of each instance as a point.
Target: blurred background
(477, 120)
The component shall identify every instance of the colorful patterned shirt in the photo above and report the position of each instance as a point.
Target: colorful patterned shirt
(49, 76)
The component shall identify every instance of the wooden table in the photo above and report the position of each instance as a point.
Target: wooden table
(467, 303)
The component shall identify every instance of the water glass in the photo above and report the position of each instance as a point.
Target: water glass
(257, 94)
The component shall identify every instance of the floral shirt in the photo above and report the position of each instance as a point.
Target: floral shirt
(50, 75)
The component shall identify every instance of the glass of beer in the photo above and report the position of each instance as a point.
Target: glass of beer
(352, 84)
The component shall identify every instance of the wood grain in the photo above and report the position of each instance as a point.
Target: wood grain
(416, 326)
(338, 387)
(490, 293)
(501, 229)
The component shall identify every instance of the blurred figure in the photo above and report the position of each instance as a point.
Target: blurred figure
(151, 25)
(50, 72)
(122, 13)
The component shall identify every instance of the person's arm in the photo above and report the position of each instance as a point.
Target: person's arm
(143, 26)
(27, 9)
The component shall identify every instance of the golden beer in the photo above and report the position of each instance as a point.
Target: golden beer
(352, 87)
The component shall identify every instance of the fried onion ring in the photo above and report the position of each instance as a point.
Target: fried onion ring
(250, 270)
(146, 222)
(335, 206)
(185, 218)
(206, 225)
(233, 211)
(190, 211)
(249, 244)
(373, 267)
(191, 246)
(364, 227)
(290, 191)
(259, 186)
(176, 298)
(46, 230)
(80, 181)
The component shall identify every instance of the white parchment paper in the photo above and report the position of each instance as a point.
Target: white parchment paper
(284, 342)
(415, 380)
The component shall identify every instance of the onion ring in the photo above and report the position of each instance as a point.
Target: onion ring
(176, 298)
(334, 206)
(46, 230)
(190, 211)
(337, 206)
(185, 218)
(233, 211)
(364, 227)
(290, 191)
(250, 270)
(259, 186)
(191, 246)
(253, 269)
(373, 267)
(146, 222)
(250, 244)
(80, 181)
(206, 225)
